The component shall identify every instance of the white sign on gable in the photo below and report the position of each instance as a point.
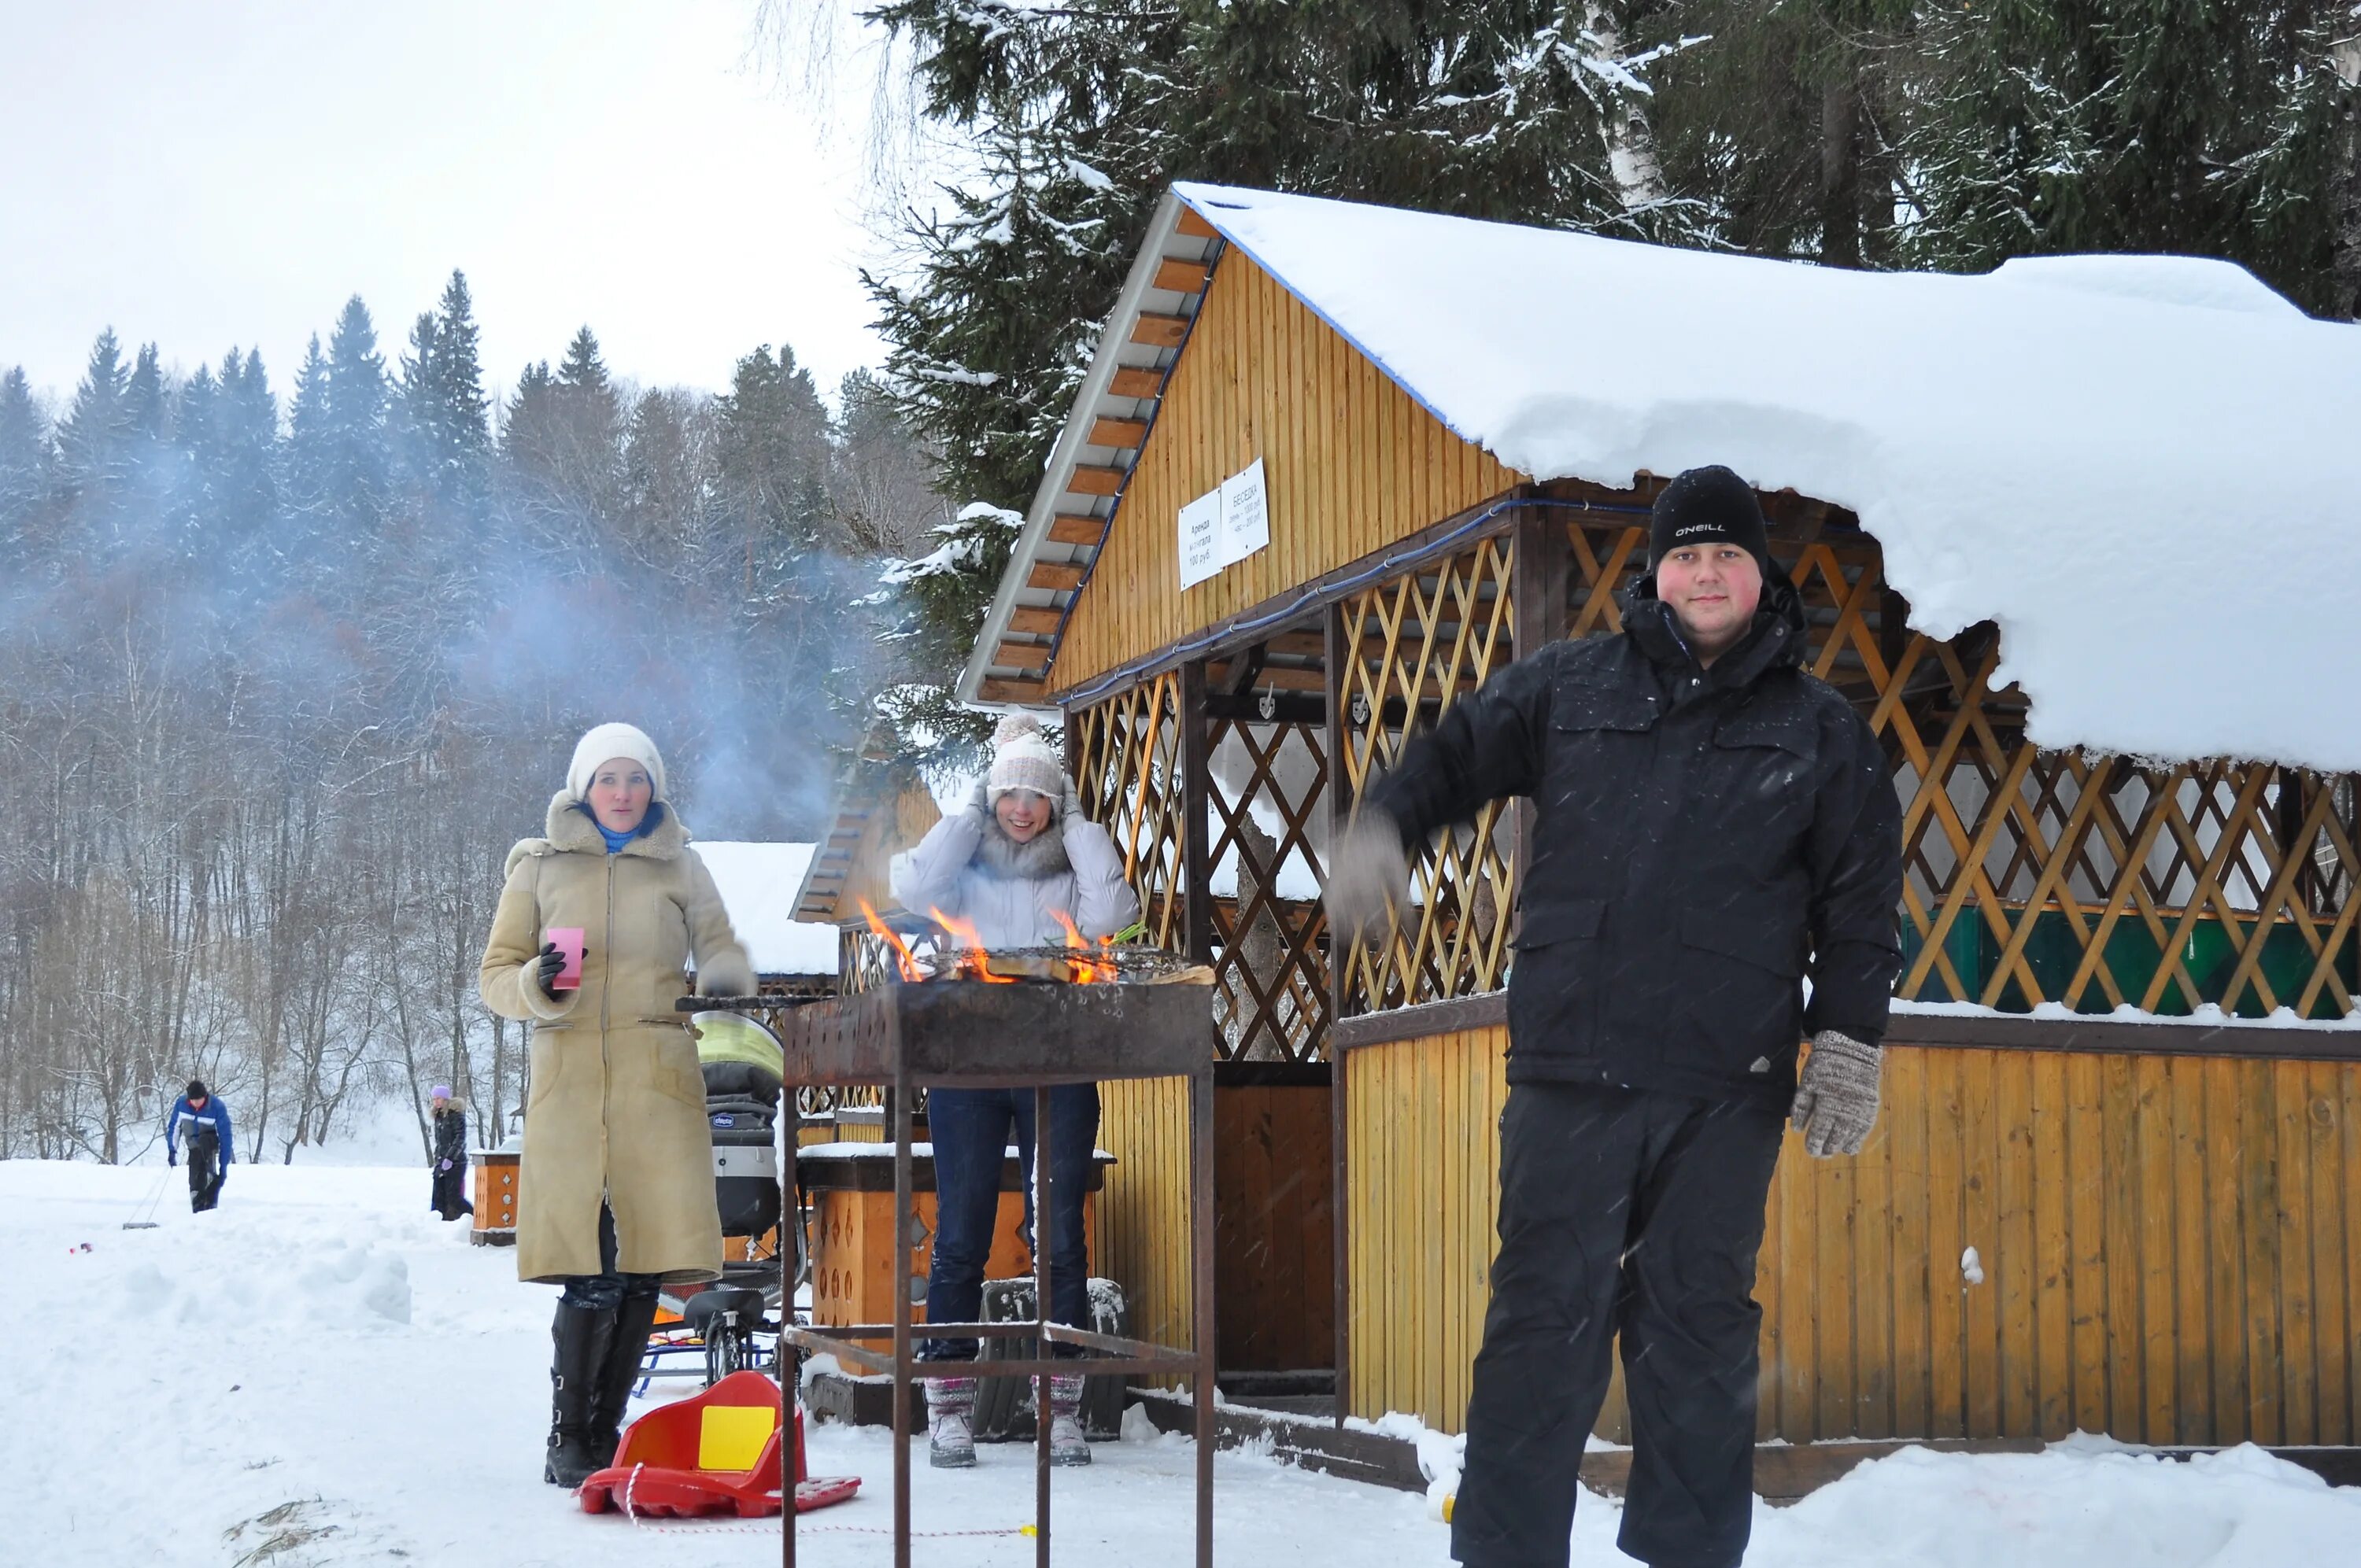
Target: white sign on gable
(1245, 516)
(1200, 539)
(1224, 525)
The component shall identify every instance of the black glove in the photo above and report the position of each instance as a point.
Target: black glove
(547, 969)
(171, 1157)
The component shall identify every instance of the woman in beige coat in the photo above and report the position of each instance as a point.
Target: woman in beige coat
(615, 1193)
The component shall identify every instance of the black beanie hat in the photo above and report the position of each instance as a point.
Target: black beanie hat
(1707, 505)
(196, 1089)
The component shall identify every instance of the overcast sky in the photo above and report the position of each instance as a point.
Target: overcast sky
(203, 175)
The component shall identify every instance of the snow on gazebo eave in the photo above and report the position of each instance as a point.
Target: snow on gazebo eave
(2068, 448)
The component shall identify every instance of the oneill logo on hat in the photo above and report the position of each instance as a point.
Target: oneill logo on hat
(1699, 528)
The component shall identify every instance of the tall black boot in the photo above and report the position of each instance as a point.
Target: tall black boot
(582, 1336)
(611, 1399)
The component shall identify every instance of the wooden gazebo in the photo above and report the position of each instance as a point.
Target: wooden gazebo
(2120, 1070)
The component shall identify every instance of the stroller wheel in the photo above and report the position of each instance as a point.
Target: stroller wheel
(723, 1354)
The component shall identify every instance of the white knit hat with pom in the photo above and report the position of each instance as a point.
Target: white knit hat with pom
(1021, 759)
(606, 743)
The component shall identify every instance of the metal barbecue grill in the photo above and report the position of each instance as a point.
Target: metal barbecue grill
(1030, 1019)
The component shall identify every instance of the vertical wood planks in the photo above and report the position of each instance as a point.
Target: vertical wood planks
(1904, 1117)
(2331, 1243)
(2167, 1248)
(1352, 463)
(1144, 1213)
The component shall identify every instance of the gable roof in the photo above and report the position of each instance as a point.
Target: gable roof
(2086, 450)
(882, 806)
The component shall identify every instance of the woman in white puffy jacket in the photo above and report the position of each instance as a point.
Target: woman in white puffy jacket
(1018, 857)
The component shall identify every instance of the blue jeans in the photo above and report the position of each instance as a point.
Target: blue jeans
(970, 1131)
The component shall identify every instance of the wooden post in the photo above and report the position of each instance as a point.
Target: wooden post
(1336, 653)
(1196, 784)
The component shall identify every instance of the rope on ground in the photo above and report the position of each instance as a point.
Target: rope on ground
(691, 1527)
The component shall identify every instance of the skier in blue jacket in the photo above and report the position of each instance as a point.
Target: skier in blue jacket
(204, 1120)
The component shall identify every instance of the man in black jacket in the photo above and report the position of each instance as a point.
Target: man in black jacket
(1712, 826)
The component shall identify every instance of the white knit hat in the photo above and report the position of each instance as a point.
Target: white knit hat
(1021, 759)
(604, 744)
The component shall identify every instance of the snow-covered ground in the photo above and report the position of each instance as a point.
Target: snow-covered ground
(321, 1364)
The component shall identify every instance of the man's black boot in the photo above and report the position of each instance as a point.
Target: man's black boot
(581, 1336)
(610, 1399)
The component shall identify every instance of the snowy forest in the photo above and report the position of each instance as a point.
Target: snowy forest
(284, 666)
(282, 677)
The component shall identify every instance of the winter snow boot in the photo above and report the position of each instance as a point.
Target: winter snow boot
(581, 1336)
(611, 1396)
(951, 1408)
(1068, 1446)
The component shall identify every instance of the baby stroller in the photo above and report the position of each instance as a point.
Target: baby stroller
(719, 1321)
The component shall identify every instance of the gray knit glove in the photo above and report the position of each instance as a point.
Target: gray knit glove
(1836, 1102)
(1368, 875)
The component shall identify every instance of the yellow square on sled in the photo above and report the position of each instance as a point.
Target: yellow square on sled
(732, 1436)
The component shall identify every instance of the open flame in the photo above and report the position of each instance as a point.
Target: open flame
(1082, 962)
(973, 961)
(905, 960)
(1099, 965)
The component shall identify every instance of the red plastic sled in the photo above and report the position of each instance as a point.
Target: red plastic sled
(716, 1454)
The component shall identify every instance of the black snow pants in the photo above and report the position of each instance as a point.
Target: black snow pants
(448, 1197)
(1632, 1212)
(203, 1154)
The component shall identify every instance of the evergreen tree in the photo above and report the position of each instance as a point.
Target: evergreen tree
(594, 413)
(668, 510)
(1783, 121)
(2128, 125)
(307, 432)
(249, 434)
(93, 441)
(773, 450)
(563, 439)
(144, 415)
(147, 419)
(443, 405)
(354, 436)
(197, 510)
(25, 457)
(881, 473)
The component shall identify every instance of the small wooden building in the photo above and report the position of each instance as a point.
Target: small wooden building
(2119, 1070)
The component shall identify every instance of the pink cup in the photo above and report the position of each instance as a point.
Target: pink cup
(569, 942)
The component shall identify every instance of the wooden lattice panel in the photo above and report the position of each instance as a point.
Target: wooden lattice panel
(1418, 642)
(1126, 758)
(1270, 971)
(2036, 876)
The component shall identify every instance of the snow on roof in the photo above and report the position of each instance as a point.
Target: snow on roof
(758, 884)
(2138, 466)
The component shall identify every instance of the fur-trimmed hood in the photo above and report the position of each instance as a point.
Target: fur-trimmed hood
(1038, 858)
(570, 828)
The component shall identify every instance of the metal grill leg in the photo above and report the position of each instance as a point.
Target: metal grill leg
(901, 1321)
(1041, 1234)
